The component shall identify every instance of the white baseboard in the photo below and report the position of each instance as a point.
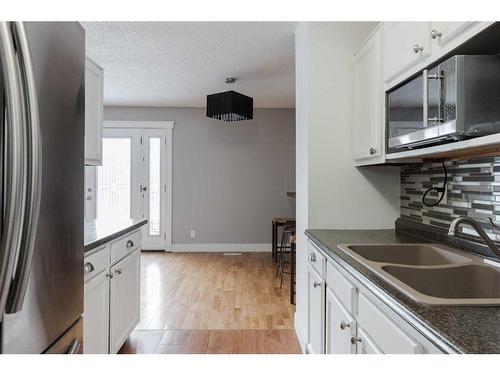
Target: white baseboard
(221, 247)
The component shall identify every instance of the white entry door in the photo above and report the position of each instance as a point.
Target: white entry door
(131, 181)
(154, 188)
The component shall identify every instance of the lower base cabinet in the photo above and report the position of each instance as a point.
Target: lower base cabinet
(96, 316)
(124, 299)
(111, 295)
(365, 345)
(316, 312)
(347, 318)
(340, 327)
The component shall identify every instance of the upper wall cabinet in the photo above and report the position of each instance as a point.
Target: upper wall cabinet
(445, 32)
(94, 83)
(368, 129)
(405, 45)
(410, 47)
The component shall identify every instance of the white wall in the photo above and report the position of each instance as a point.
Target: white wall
(229, 181)
(301, 171)
(339, 195)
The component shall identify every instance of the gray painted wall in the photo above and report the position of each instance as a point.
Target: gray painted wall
(229, 181)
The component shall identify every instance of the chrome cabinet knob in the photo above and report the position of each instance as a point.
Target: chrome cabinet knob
(436, 34)
(89, 197)
(373, 151)
(316, 284)
(354, 340)
(417, 48)
(118, 271)
(88, 268)
(130, 243)
(312, 257)
(344, 325)
(110, 275)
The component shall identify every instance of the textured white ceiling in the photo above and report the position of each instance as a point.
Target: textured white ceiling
(176, 64)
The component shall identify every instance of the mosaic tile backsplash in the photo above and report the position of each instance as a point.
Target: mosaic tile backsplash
(473, 190)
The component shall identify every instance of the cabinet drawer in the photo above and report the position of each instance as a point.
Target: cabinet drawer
(345, 291)
(316, 259)
(384, 332)
(97, 262)
(124, 246)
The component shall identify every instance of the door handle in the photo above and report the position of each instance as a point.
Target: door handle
(13, 210)
(143, 188)
(316, 284)
(34, 170)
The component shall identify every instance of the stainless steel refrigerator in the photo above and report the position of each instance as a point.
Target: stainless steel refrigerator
(42, 101)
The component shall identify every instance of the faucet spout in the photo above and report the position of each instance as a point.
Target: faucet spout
(473, 223)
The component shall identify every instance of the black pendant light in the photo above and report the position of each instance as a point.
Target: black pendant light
(230, 105)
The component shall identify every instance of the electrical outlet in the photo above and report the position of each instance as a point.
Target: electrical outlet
(192, 233)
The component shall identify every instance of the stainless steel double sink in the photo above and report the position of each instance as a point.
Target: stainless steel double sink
(432, 274)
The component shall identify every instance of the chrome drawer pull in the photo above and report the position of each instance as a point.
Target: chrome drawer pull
(417, 48)
(118, 271)
(344, 325)
(312, 257)
(130, 243)
(435, 34)
(316, 284)
(89, 267)
(354, 340)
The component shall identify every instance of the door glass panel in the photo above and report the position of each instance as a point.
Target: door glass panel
(154, 186)
(113, 179)
(405, 108)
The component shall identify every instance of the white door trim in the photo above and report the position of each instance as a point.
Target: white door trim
(140, 124)
(168, 126)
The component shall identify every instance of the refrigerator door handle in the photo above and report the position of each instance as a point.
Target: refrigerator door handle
(13, 214)
(75, 347)
(33, 168)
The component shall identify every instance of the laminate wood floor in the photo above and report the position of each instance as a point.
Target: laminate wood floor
(210, 341)
(213, 291)
(212, 303)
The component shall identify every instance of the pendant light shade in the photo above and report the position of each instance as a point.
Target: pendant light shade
(230, 105)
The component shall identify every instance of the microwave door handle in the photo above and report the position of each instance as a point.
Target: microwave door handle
(426, 97)
(33, 168)
(13, 163)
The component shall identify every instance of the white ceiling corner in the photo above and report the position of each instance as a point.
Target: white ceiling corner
(176, 64)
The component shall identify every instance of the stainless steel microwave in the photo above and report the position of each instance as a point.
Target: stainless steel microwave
(456, 99)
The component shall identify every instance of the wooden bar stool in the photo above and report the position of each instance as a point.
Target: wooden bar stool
(292, 268)
(288, 233)
(279, 222)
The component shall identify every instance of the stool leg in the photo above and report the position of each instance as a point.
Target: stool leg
(274, 241)
(286, 236)
(280, 252)
(292, 273)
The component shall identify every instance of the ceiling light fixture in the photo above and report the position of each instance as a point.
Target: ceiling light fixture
(230, 105)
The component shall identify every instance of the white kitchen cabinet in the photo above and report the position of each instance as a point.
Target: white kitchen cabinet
(124, 299)
(368, 128)
(96, 314)
(445, 32)
(387, 335)
(316, 312)
(405, 44)
(94, 107)
(111, 294)
(340, 327)
(365, 345)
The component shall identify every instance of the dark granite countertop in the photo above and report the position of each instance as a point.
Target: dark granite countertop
(98, 232)
(462, 329)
